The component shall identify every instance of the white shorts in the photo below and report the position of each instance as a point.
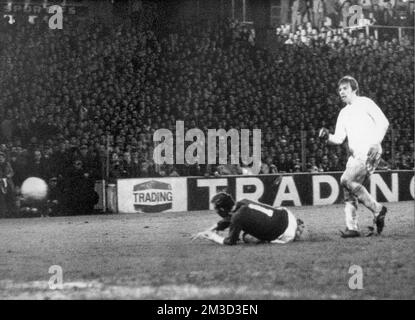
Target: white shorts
(358, 169)
(289, 233)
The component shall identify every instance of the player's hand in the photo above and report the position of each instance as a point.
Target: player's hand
(373, 157)
(208, 235)
(323, 133)
(373, 153)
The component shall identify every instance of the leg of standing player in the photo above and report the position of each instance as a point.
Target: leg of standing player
(352, 181)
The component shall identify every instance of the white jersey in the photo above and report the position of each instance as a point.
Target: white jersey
(363, 124)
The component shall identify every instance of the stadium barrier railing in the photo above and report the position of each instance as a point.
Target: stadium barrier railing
(107, 193)
(385, 32)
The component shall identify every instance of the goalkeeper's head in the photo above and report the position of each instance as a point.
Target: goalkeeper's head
(223, 203)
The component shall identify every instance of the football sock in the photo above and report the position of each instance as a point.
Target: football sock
(351, 216)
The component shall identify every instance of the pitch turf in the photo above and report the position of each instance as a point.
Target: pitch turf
(150, 256)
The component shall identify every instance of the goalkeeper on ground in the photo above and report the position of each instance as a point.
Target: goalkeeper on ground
(258, 222)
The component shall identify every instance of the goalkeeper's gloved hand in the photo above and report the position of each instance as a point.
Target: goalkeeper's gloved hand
(324, 133)
(201, 235)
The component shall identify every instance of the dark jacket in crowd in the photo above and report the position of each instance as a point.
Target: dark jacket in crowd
(79, 193)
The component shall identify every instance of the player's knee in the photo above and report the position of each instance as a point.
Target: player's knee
(348, 197)
(345, 183)
(349, 184)
(351, 203)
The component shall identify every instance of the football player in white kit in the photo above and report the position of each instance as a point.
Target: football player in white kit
(363, 123)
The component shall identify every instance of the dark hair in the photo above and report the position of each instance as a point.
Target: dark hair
(223, 200)
(351, 81)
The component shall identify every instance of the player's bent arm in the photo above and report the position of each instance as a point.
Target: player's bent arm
(333, 139)
(382, 123)
(338, 137)
(340, 133)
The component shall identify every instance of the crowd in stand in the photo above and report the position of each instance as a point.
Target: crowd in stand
(91, 95)
(337, 13)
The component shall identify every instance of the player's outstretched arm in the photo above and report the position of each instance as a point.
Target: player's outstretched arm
(381, 126)
(209, 235)
(381, 122)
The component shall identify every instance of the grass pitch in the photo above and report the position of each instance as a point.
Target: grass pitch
(150, 256)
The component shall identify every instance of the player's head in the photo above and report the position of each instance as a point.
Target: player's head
(348, 89)
(223, 203)
(53, 181)
(300, 229)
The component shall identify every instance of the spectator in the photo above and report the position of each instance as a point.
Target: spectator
(37, 166)
(324, 165)
(80, 196)
(318, 13)
(7, 126)
(6, 187)
(55, 201)
(284, 165)
(312, 166)
(389, 16)
(335, 164)
(19, 167)
(295, 14)
(378, 15)
(332, 12)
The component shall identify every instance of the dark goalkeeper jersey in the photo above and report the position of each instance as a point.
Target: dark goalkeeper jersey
(257, 219)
